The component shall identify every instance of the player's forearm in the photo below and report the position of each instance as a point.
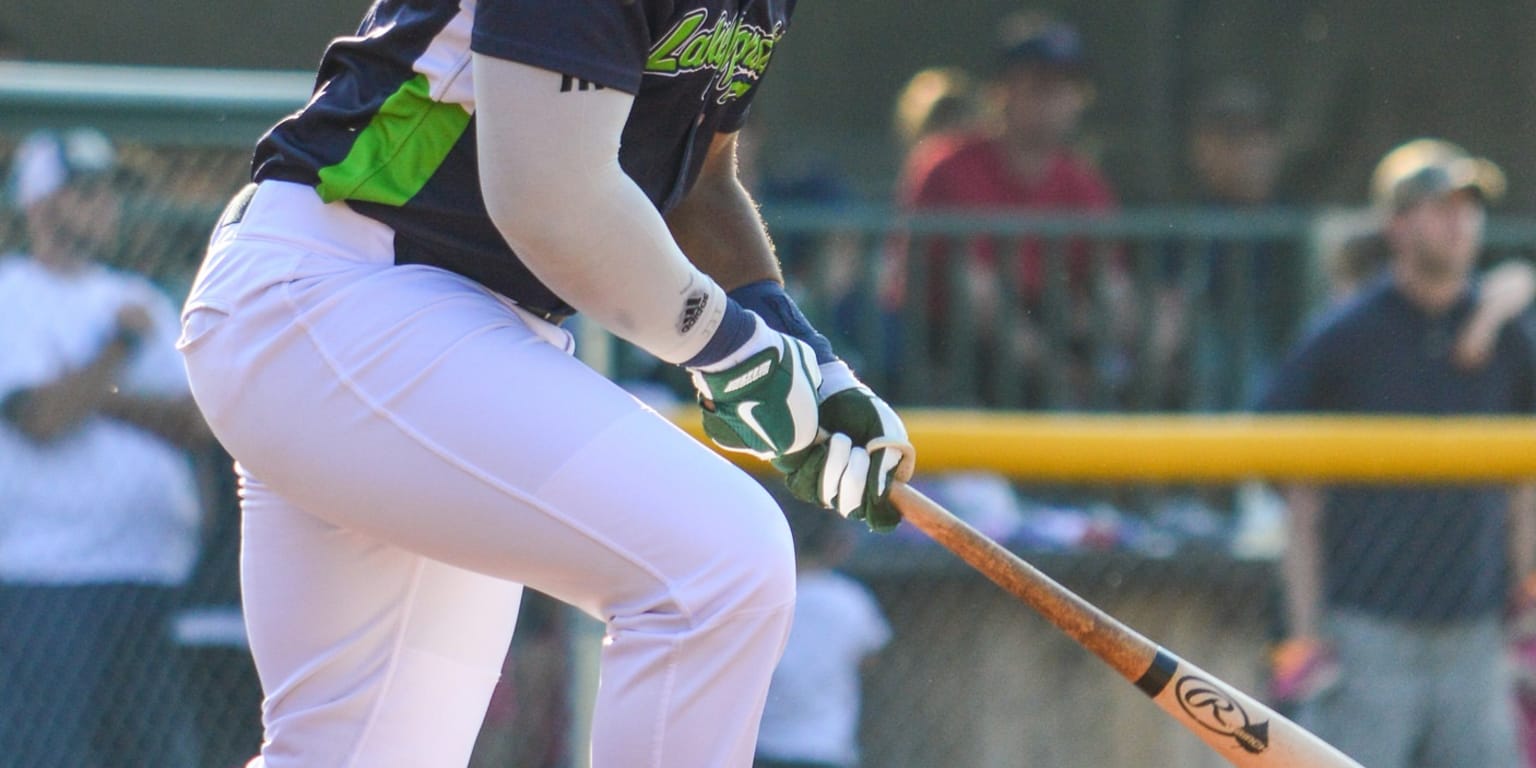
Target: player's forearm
(175, 420)
(719, 228)
(1301, 565)
(1507, 290)
(46, 412)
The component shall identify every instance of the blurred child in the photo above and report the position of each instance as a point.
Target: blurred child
(812, 716)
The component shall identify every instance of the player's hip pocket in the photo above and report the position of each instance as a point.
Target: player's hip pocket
(197, 320)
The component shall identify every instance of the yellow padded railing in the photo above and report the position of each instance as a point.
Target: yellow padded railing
(1081, 447)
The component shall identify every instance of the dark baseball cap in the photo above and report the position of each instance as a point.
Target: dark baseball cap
(1236, 104)
(1425, 169)
(1032, 40)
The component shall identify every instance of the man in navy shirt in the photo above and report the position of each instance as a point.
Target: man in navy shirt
(375, 336)
(1405, 586)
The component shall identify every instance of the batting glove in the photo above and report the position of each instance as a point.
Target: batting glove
(866, 448)
(761, 399)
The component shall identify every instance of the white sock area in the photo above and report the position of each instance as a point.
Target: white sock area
(762, 338)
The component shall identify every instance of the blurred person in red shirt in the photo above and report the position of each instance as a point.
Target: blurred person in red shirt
(1017, 159)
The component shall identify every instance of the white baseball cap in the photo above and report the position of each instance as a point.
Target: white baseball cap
(47, 160)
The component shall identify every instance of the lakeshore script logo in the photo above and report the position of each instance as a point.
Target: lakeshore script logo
(736, 51)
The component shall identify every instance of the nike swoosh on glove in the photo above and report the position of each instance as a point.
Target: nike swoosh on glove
(764, 405)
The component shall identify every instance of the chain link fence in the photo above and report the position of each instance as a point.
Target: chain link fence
(152, 675)
(969, 677)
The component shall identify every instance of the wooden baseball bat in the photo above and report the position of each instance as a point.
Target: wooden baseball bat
(1240, 729)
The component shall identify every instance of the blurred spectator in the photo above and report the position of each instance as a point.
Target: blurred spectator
(826, 269)
(1359, 261)
(1235, 146)
(1249, 289)
(812, 716)
(935, 101)
(99, 514)
(1019, 159)
(1396, 594)
(1505, 292)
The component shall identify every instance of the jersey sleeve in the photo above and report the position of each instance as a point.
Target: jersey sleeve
(602, 41)
(734, 116)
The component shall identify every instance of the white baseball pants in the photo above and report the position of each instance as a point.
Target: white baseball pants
(412, 449)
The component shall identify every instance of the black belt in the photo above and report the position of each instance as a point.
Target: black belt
(553, 316)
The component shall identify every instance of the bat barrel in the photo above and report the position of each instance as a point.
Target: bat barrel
(1239, 728)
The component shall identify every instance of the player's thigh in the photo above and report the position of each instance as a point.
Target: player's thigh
(309, 585)
(361, 647)
(412, 406)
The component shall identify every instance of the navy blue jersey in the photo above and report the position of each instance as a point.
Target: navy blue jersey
(1428, 553)
(390, 128)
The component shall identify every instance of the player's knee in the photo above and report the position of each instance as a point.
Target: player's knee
(753, 569)
(766, 560)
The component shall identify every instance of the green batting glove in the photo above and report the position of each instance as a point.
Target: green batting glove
(852, 470)
(764, 405)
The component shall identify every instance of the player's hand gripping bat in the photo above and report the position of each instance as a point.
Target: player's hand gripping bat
(1245, 732)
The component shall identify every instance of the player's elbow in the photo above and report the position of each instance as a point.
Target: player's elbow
(515, 208)
(558, 217)
(542, 229)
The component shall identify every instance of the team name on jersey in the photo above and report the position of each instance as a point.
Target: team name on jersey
(736, 51)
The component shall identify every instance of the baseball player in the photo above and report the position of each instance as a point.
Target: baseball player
(375, 336)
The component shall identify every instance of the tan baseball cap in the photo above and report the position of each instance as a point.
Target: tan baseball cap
(1423, 169)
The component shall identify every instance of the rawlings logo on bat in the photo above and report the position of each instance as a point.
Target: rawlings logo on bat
(1210, 706)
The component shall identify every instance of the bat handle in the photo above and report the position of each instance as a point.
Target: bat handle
(1129, 653)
